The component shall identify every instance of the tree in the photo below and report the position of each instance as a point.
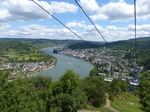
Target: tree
(3, 78)
(94, 87)
(67, 95)
(118, 86)
(69, 102)
(94, 71)
(44, 87)
(144, 92)
(69, 82)
(144, 76)
(21, 95)
(42, 83)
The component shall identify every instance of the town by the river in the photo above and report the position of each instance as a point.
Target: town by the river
(80, 67)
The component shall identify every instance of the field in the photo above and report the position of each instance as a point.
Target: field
(127, 102)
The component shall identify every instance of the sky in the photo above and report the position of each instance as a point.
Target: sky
(113, 18)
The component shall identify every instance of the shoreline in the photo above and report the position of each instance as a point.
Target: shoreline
(33, 73)
(77, 58)
(38, 71)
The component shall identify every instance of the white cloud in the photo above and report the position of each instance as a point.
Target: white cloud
(113, 28)
(145, 27)
(24, 10)
(90, 28)
(3, 26)
(76, 24)
(114, 11)
(38, 31)
(62, 7)
(121, 11)
(87, 32)
(4, 13)
(143, 9)
(32, 27)
(99, 17)
(89, 5)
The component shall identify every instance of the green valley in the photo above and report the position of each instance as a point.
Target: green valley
(107, 89)
(20, 58)
(12, 51)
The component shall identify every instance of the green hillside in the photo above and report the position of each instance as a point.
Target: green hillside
(127, 102)
(42, 43)
(13, 51)
(83, 45)
(143, 50)
(70, 94)
(142, 43)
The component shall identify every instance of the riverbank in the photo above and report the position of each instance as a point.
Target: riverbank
(30, 73)
(80, 67)
(51, 66)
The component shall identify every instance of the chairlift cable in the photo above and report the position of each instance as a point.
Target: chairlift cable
(135, 30)
(106, 43)
(61, 22)
(91, 22)
(134, 82)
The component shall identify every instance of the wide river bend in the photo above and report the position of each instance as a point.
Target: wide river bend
(80, 67)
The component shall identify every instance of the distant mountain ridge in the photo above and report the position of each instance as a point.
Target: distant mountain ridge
(142, 43)
(42, 43)
(142, 39)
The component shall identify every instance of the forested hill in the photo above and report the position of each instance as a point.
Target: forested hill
(142, 50)
(142, 43)
(42, 43)
(83, 45)
(14, 51)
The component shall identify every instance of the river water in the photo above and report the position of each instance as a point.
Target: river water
(80, 67)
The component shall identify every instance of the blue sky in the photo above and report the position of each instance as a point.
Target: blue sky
(113, 18)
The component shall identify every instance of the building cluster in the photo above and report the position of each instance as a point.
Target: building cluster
(110, 63)
(17, 68)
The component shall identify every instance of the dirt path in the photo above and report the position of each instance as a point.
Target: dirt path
(108, 104)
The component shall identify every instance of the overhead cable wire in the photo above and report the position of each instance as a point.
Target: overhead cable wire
(91, 22)
(60, 22)
(135, 29)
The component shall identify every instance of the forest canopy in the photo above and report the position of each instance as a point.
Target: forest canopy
(69, 94)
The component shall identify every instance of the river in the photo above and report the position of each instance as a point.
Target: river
(80, 67)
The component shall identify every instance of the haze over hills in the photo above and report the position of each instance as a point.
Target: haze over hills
(142, 42)
(41, 43)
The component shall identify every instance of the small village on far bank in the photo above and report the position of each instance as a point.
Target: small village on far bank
(18, 69)
(110, 63)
